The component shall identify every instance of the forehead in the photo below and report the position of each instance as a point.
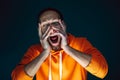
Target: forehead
(49, 15)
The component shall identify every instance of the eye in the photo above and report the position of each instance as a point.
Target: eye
(55, 24)
(45, 27)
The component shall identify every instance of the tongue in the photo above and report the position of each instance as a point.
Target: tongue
(53, 37)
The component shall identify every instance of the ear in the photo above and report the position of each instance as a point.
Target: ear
(39, 30)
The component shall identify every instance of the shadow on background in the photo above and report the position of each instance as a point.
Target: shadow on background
(96, 20)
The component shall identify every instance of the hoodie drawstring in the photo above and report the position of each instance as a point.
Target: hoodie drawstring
(50, 74)
(60, 66)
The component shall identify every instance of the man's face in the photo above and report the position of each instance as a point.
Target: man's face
(52, 25)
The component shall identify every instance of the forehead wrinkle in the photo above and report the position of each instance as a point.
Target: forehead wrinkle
(49, 15)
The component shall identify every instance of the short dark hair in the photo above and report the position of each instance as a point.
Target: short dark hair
(49, 9)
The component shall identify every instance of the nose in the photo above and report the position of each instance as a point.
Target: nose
(52, 30)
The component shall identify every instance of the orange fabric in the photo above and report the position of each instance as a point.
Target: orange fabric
(71, 70)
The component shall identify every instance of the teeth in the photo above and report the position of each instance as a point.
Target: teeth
(53, 37)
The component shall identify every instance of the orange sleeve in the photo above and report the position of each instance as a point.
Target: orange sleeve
(98, 65)
(18, 73)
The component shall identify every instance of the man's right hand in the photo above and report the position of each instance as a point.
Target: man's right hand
(32, 67)
(44, 41)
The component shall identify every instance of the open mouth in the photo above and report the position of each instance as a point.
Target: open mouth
(54, 40)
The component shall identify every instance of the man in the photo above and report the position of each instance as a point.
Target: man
(60, 56)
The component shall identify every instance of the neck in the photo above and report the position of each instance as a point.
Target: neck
(56, 48)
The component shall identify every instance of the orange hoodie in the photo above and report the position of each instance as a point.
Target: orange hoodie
(71, 70)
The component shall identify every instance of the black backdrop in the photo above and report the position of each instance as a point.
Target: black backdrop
(98, 20)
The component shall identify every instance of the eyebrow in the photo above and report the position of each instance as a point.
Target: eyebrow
(49, 21)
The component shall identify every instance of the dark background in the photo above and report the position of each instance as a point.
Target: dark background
(98, 20)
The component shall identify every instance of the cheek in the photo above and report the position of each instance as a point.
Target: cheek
(44, 30)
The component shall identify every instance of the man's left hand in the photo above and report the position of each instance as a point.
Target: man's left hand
(63, 35)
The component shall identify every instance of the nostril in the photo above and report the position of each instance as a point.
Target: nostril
(54, 31)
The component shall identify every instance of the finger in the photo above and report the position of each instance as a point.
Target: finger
(55, 28)
(62, 25)
(62, 32)
(41, 41)
(45, 37)
(46, 32)
(39, 31)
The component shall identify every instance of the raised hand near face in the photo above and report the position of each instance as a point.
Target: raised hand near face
(63, 35)
(53, 34)
(44, 39)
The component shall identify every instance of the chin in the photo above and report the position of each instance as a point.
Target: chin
(56, 48)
